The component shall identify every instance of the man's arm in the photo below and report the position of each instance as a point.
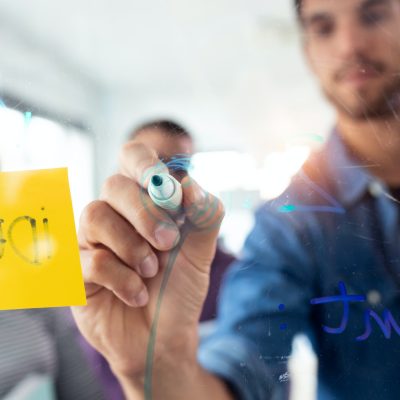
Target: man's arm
(143, 270)
(178, 382)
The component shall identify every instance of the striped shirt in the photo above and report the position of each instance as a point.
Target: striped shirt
(44, 341)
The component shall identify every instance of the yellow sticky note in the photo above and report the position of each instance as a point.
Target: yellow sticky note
(39, 255)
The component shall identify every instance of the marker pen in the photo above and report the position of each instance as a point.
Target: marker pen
(166, 192)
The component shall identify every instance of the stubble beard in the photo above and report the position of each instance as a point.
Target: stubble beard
(385, 106)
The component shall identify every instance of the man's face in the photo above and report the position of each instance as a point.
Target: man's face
(353, 46)
(168, 147)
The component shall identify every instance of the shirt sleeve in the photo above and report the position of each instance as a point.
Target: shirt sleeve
(264, 303)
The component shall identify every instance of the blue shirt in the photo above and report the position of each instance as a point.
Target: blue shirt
(332, 235)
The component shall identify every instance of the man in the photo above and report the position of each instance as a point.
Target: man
(323, 258)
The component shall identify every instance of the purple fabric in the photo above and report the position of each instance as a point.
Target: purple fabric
(110, 384)
(219, 266)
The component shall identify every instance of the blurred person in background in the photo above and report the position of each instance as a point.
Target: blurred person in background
(333, 234)
(175, 146)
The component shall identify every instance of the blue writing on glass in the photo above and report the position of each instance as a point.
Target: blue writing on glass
(346, 299)
(282, 327)
(386, 324)
(179, 162)
(27, 118)
(333, 207)
(300, 208)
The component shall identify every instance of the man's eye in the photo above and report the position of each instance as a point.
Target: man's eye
(323, 30)
(373, 18)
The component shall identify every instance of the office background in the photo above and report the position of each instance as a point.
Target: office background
(79, 75)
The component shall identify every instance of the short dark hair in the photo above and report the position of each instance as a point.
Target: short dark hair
(179, 163)
(171, 128)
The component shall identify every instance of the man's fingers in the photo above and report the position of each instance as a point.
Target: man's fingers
(203, 210)
(134, 204)
(101, 267)
(100, 224)
(205, 213)
(140, 162)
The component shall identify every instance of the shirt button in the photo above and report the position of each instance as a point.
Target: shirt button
(374, 297)
(375, 189)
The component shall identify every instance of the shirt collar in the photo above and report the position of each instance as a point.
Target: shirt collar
(350, 178)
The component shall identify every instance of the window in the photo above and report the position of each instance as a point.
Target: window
(30, 142)
(242, 185)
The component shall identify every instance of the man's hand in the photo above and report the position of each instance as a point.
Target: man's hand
(126, 243)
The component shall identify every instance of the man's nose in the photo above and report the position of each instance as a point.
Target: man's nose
(351, 39)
